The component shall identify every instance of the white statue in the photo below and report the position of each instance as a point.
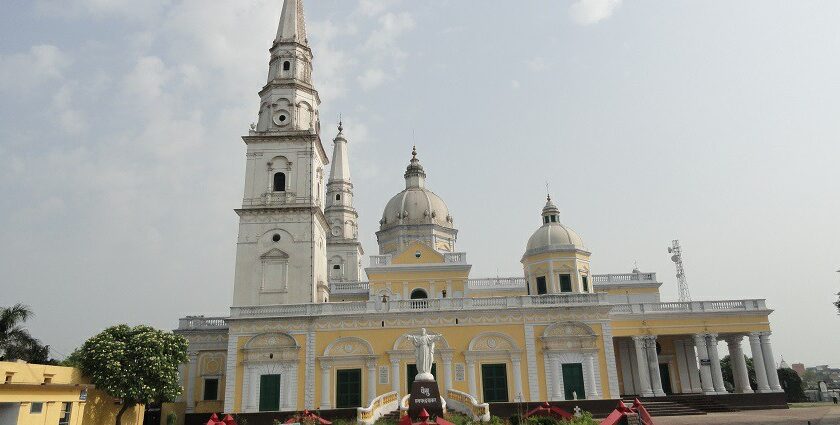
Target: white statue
(425, 352)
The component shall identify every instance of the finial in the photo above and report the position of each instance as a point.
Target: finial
(340, 124)
(414, 152)
(547, 192)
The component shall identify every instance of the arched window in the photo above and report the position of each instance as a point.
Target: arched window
(337, 197)
(279, 182)
(419, 294)
(287, 66)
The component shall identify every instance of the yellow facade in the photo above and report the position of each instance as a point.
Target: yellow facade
(32, 394)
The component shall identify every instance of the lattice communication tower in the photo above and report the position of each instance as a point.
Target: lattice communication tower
(676, 256)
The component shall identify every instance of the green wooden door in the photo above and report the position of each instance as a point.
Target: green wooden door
(573, 381)
(411, 372)
(348, 388)
(494, 382)
(269, 393)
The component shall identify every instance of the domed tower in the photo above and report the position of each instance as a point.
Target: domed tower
(416, 215)
(556, 260)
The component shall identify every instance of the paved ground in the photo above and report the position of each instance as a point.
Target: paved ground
(815, 414)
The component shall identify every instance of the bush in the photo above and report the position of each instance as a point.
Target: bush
(383, 421)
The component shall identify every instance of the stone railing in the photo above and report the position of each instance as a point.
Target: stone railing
(455, 257)
(468, 405)
(380, 260)
(605, 279)
(439, 304)
(201, 322)
(381, 406)
(690, 307)
(497, 283)
(337, 288)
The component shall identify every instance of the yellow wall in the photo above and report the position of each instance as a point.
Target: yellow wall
(27, 385)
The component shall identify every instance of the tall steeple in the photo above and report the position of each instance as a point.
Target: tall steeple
(292, 24)
(289, 101)
(281, 254)
(344, 251)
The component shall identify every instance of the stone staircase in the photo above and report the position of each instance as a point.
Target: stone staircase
(679, 405)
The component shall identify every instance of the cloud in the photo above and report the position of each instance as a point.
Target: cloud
(391, 26)
(587, 12)
(24, 71)
(537, 64)
(126, 9)
(372, 78)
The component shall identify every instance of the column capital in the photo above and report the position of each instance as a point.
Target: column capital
(447, 357)
(639, 337)
(754, 336)
(192, 355)
(370, 363)
(734, 339)
(326, 365)
(712, 335)
(395, 361)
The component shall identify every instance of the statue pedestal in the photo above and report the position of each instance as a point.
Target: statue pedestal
(424, 395)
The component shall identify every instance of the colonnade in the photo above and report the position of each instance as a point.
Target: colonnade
(698, 364)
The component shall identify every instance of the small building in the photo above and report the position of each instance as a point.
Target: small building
(35, 394)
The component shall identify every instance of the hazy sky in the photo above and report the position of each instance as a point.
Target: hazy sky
(715, 122)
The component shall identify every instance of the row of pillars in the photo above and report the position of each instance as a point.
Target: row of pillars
(704, 370)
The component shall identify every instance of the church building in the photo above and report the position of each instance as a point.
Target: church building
(310, 328)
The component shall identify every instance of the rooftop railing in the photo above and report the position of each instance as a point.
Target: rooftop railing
(201, 323)
(690, 307)
(339, 288)
(497, 283)
(397, 306)
(623, 278)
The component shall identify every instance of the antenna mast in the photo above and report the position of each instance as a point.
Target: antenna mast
(676, 256)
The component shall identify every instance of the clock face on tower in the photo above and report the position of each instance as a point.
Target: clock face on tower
(336, 231)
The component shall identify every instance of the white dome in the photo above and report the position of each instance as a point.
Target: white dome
(416, 205)
(553, 236)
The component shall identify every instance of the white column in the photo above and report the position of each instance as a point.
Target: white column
(770, 362)
(193, 362)
(693, 371)
(758, 363)
(682, 367)
(395, 376)
(326, 393)
(714, 358)
(739, 365)
(447, 373)
(653, 365)
(642, 367)
(246, 388)
(556, 388)
(371, 384)
(516, 364)
(553, 287)
(471, 378)
(591, 384)
(705, 369)
(626, 367)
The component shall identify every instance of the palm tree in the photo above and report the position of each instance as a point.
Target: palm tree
(12, 333)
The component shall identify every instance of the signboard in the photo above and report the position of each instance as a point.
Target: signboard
(705, 362)
(424, 395)
(459, 372)
(383, 375)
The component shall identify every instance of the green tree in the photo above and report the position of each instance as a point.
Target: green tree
(792, 384)
(837, 303)
(16, 343)
(136, 364)
(726, 371)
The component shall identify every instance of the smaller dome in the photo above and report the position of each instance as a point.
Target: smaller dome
(553, 235)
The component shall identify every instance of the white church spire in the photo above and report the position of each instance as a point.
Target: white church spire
(281, 254)
(292, 24)
(344, 251)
